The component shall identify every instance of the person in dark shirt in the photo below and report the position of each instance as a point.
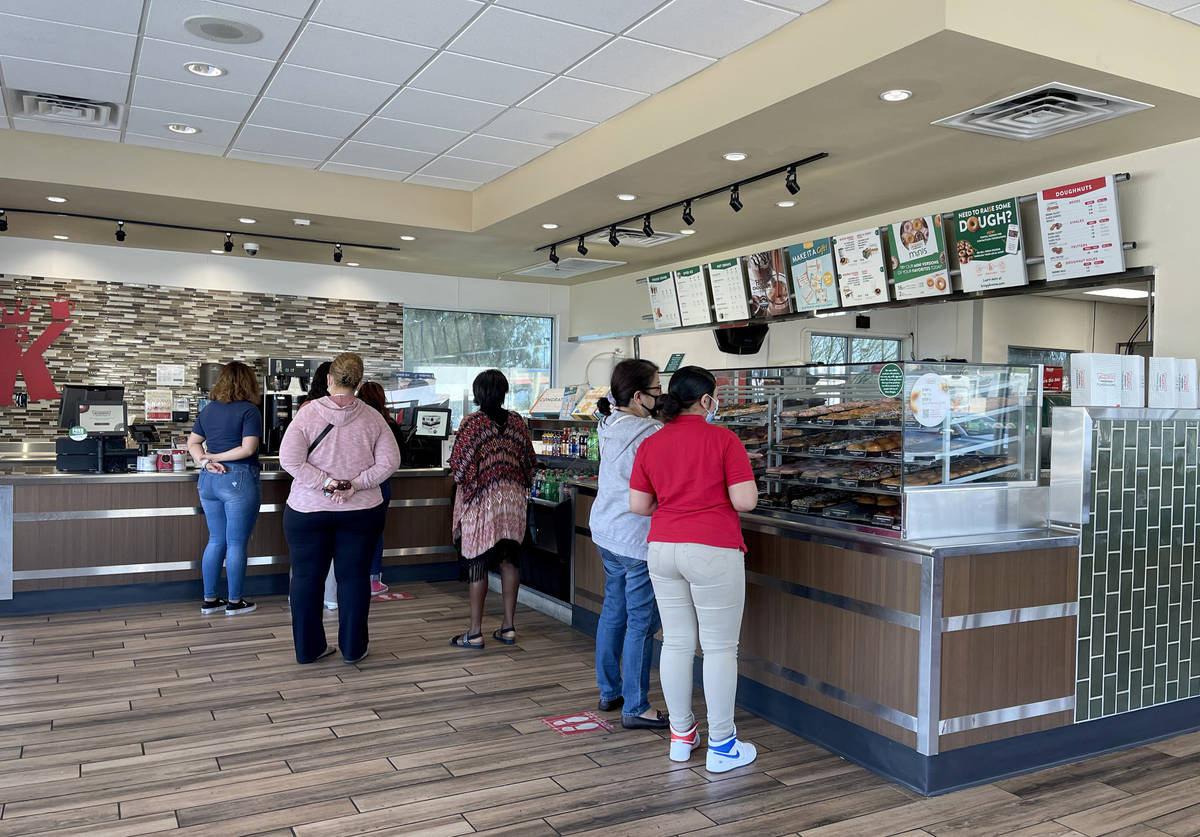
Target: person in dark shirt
(373, 395)
(224, 443)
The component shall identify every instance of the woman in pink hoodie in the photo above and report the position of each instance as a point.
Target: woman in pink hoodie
(338, 451)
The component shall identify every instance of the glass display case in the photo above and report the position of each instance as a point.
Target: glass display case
(855, 444)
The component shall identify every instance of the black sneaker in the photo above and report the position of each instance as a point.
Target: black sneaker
(239, 607)
(208, 606)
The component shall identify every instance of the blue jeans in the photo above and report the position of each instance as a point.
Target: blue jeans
(385, 488)
(231, 501)
(627, 625)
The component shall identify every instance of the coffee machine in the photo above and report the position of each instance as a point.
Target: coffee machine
(284, 388)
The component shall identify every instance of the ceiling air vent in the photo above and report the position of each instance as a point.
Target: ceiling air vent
(1042, 112)
(68, 109)
(567, 268)
(630, 237)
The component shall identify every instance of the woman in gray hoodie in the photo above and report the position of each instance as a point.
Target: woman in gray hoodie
(629, 618)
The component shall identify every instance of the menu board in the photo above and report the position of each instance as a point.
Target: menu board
(918, 248)
(1081, 229)
(813, 274)
(728, 285)
(769, 292)
(862, 279)
(692, 293)
(988, 240)
(663, 303)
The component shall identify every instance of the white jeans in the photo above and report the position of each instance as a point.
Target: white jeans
(701, 591)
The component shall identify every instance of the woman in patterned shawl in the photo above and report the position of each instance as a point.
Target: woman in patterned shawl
(492, 463)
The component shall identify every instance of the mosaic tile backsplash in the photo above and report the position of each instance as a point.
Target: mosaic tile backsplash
(1138, 599)
(118, 333)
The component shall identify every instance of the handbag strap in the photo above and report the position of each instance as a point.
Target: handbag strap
(317, 440)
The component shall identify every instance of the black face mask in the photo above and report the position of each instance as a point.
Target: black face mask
(657, 408)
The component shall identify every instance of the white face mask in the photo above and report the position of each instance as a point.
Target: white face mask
(716, 405)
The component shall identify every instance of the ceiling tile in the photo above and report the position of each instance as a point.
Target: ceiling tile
(277, 159)
(459, 169)
(408, 135)
(710, 27)
(610, 16)
(532, 126)
(308, 119)
(414, 21)
(23, 37)
(190, 98)
(166, 60)
(355, 54)
(1166, 5)
(63, 129)
(174, 145)
(290, 8)
(582, 99)
(1192, 14)
(439, 109)
(527, 41)
(638, 66)
(475, 78)
(285, 143)
(154, 123)
(444, 182)
(81, 82)
(495, 150)
(167, 17)
(365, 171)
(381, 157)
(114, 15)
(328, 90)
(803, 6)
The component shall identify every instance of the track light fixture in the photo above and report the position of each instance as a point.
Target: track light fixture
(647, 230)
(581, 247)
(3, 221)
(688, 217)
(790, 181)
(120, 230)
(228, 243)
(735, 202)
(612, 236)
(337, 253)
(554, 254)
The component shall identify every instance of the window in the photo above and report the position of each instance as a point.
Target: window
(455, 346)
(840, 349)
(1032, 356)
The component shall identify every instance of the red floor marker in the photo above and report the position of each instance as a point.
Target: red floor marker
(392, 597)
(578, 723)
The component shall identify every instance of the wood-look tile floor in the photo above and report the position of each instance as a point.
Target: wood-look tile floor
(157, 720)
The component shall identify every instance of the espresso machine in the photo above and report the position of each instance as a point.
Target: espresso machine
(285, 386)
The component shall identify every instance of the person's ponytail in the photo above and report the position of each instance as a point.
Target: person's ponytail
(670, 407)
(604, 407)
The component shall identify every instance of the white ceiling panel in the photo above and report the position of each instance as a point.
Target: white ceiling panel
(710, 27)
(293, 116)
(532, 126)
(580, 99)
(174, 145)
(289, 8)
(44, 126)
(1167, 5)
(444, 182)
(457, 168)
(414, 21)
(285, 143)
(474, 78)
(505, 152)
(610, 16)
(1192, 14)
(328, 90)
(23, 37)
(154, 123)
(638, 66)
(528, 41)
(166, 60)
(190, 98)
(412, 105)
(802, 6)
(276, 159)
(352, 53)
(408, 135)
(81, 82)
(381, 157)
(167, 18)
(365, 171)
(115, 15)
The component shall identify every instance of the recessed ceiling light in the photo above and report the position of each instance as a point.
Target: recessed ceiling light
(625, 196)
(62, 238)
(1119, 293)
(735, 156)
(408, 238)
(549, 226)
(55, 199)
(180, 128)
(247, 220)
(207, 70)
(217, 252)
(785, 204)
(687, 232)
(897, 95)
(351, 264)
(301, 222)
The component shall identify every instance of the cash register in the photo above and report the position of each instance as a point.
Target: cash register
(101, 412)
(424, 429)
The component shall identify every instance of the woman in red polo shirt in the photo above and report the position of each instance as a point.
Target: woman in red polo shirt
(692, 478)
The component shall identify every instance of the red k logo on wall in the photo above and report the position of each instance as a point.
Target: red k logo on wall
(19, 355)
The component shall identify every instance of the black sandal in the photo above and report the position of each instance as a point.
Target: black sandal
(497, 635)
(464, 641)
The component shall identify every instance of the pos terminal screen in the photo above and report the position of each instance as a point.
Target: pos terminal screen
(431, 422)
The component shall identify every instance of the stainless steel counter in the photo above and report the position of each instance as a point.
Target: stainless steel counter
(47, 475)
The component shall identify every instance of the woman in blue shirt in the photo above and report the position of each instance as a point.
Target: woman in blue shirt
(224, 442)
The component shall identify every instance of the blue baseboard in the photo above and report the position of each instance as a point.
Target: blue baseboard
(956, 769)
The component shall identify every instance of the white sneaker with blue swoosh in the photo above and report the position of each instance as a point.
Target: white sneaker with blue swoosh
(729, 754)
